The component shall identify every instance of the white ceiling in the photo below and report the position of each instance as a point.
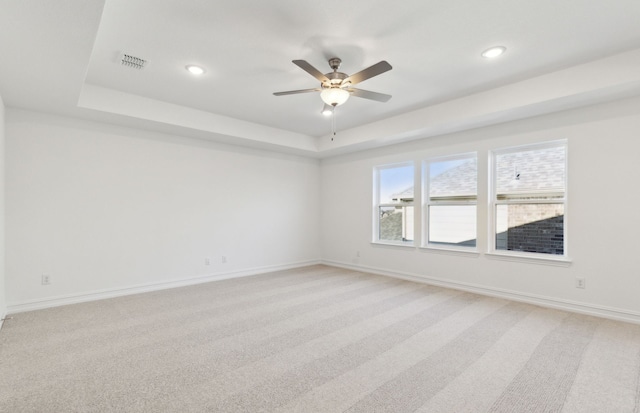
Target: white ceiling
(62, 57)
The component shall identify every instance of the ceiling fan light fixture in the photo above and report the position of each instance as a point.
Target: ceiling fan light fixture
(194, 70)
(334, 96)
(327, 110)
(492, 52)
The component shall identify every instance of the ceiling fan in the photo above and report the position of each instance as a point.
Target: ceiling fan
(336, 87)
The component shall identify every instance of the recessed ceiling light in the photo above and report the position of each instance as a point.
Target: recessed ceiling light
(195, 70)
(493, 52)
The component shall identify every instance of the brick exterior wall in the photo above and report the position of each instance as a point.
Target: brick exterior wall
(531, 228)
(391, 227)
(534, 228)
(397, 225)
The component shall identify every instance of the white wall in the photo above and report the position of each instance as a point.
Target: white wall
(603, 218)
(3, 302)
(102, 208)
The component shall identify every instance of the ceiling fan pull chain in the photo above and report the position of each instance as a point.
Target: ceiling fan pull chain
(333, 123)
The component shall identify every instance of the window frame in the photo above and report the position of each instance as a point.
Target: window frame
(428, 202)
(377, 204)
(494, 202)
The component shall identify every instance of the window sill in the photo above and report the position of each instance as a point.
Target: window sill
(531, 259)
(464, 252)
(394, 244)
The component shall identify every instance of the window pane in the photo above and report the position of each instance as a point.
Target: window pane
(531, 228)
(453, 179)
(396, 223)
(536, 172)
(396, 185)
(452, 225)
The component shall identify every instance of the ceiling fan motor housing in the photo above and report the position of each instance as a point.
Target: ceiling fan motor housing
(335, 79)
(335, 63)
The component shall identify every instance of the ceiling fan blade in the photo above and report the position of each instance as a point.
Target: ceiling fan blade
(304, 65)
(294, 92)
(380, 97)
(368, 73)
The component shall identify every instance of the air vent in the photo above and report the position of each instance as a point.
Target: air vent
(132, 61)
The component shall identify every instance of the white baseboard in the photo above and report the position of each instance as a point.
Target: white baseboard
(39, 304)
(550, 302)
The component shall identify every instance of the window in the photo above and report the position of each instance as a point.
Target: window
(450, 201)
(394, 203)
(529, 199)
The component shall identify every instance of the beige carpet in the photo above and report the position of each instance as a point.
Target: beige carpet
(317, 339)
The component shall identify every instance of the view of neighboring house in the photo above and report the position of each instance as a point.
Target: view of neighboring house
(529, 207)
(397, 223)
(452, 205)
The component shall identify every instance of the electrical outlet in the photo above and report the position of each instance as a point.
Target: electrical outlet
(46, 279)
(224, 259)
(357, 253)
(580, 282)
(207, 261)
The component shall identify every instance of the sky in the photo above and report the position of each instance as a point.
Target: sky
(398, 179)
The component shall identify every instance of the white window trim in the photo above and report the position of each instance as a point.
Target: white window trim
(426, 182)
(400, 244)
(530, 257)
(521, 256)
(452, 250)
(377, 205)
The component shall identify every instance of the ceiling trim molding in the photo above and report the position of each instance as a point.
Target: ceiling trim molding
(218, 126)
